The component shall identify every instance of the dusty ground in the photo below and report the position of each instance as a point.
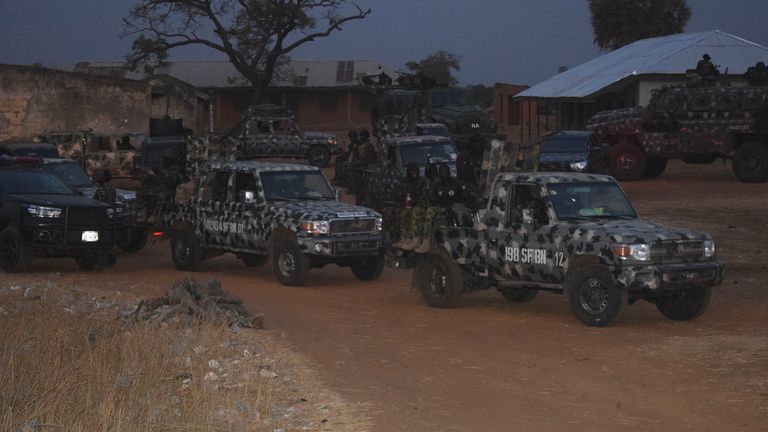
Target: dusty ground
(494, 365)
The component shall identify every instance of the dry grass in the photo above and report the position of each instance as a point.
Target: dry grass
(91, 372)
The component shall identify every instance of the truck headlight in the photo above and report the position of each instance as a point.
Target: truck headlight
(44, 212)
(315, 227)
(379, 224)
(709, 248)
(332, 141)
(638, 252)
(579, 166)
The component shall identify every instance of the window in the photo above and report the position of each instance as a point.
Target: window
(529, 198)
(244, 182)
(328, 101)
(216, 187)
(99, 144)
(124, 143)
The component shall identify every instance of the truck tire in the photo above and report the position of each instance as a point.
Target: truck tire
(93, 260)
(519, 295)
(654, 167)
(626, 161)
(685, 304)
(750, 163)
(137, 239)
(319, 156)
(291, 266)
(594, 298)
(185, 250)
(15, 256)
(368, 268)
(254, 260)
(440, 281)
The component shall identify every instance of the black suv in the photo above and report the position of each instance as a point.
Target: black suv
(571, 151)
(41, 217)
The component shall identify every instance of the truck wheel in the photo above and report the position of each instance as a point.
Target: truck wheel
(750, 164)
(290, 265)
(137, 239)
(440, 281)
(253, 260)
(186, 251)
(627, 161)
(594, 298)
(654, 167)
(519, 295)
(94, 260)
(685, 304)
(319, 156)
(15, 256)
(368, 268)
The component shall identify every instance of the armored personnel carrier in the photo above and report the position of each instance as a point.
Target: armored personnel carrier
(695, 124)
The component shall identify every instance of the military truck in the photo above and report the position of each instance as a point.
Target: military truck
(271, 131)
(289, 211)
(695, 124)
(467, 124)
(97, 151)
(574, 234)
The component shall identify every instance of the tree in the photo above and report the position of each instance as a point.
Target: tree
(620, 22)
(437, 66)
(255, 35)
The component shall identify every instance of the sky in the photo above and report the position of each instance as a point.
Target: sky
(506, 41)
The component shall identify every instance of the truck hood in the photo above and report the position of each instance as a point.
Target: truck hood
(123, 195)
(566, 157)
(629, 231)
(60, 201)
(322, 210)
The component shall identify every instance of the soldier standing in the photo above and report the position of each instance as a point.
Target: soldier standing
(412, 199)
(104, 191)
(757, 75)
(706, 70)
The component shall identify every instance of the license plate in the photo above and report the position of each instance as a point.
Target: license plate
(90, 236)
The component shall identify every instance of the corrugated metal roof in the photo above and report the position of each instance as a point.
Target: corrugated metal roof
(663, 55)
(298, 73)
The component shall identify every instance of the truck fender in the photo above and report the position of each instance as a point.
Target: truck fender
(576, 263)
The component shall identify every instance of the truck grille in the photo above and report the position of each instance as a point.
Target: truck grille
(474, 127)
(677, 251)
(349, 226)
(77, 216)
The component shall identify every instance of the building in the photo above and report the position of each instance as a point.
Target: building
(324, 95)
(626, 78)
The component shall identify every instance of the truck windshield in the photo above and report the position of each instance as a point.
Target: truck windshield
(589, 200)
(32, 183)
(420, 154)
(70, 173)
(295, 185)
(563, 146)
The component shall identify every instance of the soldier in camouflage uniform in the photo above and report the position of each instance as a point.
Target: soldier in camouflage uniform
(413, 199)
(104, 191)
(757, 75)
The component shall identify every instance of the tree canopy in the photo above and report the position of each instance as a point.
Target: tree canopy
(616, 23)
(255, 35)
(437, 66)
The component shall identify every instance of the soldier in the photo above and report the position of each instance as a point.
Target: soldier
(447, 190)
(757, 75)
(412, 199)
(104, 191)
(706, 70)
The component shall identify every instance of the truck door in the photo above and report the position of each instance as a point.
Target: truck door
(214, 209)
(249, 203)
(518, 244)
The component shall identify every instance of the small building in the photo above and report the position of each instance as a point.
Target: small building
(626, 78)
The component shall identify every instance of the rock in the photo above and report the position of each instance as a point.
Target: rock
(266, 373)
(210, 376)
(213, 364)
(240, 405)
(30, 426)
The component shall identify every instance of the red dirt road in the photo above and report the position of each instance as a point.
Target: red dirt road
(491, 365)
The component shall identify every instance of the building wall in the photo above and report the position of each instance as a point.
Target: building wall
(34, 100)
(170, 98)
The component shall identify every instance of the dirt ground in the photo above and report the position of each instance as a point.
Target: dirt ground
(491, 365)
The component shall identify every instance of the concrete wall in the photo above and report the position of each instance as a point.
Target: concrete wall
(34, 100)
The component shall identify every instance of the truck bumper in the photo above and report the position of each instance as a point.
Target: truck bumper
(60, 240)
(670, 277)
(342, 246)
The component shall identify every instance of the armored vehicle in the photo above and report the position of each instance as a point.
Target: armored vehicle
(575, 234)
(41, 217)
(571, 151)
(289, 211)
(97, 151)
(271, 131)
(695, 124)
(467, 124)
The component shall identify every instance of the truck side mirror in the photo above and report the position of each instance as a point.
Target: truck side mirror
(250, 197)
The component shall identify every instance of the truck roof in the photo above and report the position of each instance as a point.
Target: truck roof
(548, 177)
(417, 139)
(255, 167)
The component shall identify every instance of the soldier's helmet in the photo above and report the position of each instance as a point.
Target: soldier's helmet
(706, 57)
(102, 176)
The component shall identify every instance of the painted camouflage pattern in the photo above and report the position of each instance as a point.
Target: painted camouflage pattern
(250, 227)
(480, 248)
(118, 161)
(688, 120)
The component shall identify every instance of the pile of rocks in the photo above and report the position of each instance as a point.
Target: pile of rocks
(189, 301)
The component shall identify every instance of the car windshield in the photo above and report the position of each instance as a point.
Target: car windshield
(563, 146)
(420, 154)
(70, 173)
(32, 183)
(441, 98)
(589, 200)
(295, 185)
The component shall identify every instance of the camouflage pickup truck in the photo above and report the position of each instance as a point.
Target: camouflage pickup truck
(575, 234)
(256, 209)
